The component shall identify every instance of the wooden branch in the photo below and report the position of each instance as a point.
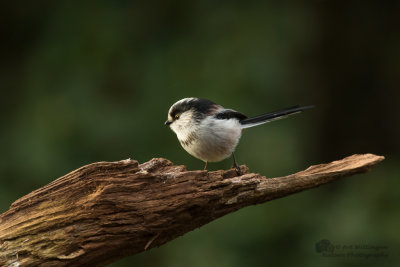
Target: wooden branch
(107, 210)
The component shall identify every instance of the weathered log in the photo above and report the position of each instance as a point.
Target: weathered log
(107, 210)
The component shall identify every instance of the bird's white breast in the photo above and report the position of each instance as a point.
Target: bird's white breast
(212, 140)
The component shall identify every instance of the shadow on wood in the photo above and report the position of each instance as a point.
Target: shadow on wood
(107, 210)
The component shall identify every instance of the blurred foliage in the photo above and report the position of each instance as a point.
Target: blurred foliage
(85, 82)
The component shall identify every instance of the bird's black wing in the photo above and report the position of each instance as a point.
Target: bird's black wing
(226, 114)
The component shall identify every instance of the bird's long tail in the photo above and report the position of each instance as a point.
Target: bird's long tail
(272, 116)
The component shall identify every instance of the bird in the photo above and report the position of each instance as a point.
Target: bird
(211, 132)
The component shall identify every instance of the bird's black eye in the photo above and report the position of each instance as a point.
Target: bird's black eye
(176, 116)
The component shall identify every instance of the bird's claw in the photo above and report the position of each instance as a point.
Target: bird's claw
(238, 171)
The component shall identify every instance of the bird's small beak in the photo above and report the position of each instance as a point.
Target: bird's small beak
(167, 122)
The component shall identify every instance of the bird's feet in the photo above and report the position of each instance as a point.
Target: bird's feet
(205, 166)
(236, 166)
(238, 171)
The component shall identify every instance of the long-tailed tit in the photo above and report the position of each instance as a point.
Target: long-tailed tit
(210, 132)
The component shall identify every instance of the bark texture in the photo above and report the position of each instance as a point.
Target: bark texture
(107, 210)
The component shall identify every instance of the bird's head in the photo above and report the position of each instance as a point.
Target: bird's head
(189, 112)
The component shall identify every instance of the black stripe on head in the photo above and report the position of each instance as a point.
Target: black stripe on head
(202, 106)
(227, 114)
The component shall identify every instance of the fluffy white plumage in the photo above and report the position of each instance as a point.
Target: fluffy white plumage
(211, 133)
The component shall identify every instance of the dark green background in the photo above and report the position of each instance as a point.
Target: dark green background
(90, 81)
